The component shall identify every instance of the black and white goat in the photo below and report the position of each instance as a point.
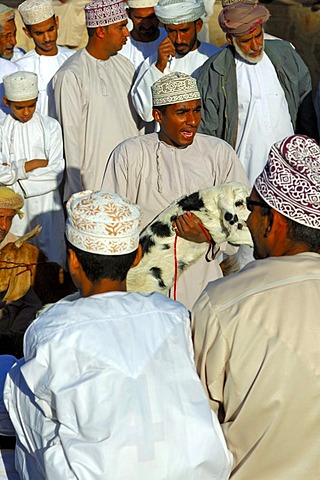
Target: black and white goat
(223, 212)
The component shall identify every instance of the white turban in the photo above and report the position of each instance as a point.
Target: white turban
(176, 12)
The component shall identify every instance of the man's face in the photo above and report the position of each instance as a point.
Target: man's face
(179, 122)
(6, 217)
(184, 36)
(44, 35)
(257, 224)
(116, 36)
(145, 24)
(8, 40)
(22, 111)
(250, 47)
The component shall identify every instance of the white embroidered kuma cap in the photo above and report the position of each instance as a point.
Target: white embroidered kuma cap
(36, 11)
(102, 223)
(176, 87)
(104, 12)
(21, 86)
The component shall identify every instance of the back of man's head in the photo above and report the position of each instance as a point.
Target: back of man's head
(103, 230)
(290, 184)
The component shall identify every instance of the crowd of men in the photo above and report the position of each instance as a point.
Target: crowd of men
(118, 385)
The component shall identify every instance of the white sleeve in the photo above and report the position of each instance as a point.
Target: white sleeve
(43, 180)
(10, 172)
(141, 90)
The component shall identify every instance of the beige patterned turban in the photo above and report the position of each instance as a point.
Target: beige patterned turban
(242, 18)
(290, 181)
(11, 200)
(6, 14)
(102, 223)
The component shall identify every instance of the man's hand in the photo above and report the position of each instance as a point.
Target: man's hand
(36, 163)
(187, 226)
(165, 51)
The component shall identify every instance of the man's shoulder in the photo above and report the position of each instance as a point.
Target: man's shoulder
(220, 62)
(27, 57)
(214, 142)
(208, 49)
(73, 63)
(137, 143)
(261, 276)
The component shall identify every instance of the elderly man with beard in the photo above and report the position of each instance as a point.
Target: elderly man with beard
(8, 33)
(254, 92)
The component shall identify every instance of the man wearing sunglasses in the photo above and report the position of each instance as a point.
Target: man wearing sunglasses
(257, 334)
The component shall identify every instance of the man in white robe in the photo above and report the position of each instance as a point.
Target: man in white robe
(257, 333)
(107, 389)
(156, 169)
(31, 162)
(180, 51)
(46, 58)
(254, 92)
(92, 98)
(145, 35)
(8, 34)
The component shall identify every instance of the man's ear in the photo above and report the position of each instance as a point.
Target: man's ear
(100, 32)
(5, 101)
(199, 24)
(73, 262)
(26, 31)
(229, 39)
(157, 115)
(57, 22)
(138, 257)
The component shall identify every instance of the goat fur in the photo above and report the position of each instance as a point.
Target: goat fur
(223, 212)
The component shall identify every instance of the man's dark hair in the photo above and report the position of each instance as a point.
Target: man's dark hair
(90, 31)
(297, 233)
(302, 234)
(97, 267)
(162, 109)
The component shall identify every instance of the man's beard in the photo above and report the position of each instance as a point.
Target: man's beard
(247, 57)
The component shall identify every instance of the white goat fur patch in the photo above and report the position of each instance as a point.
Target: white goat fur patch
(222, 210)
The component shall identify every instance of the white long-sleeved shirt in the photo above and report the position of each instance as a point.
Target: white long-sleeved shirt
(109, 390)
(39, 138)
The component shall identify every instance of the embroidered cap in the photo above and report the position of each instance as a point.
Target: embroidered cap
(176, 87)
(226, 3)
(6, 14)
(242, 18)
(290, 181)
(11, 200)
(36, 11)
(141, 3)
(105, 12)
(102, 223)
(176, 12)
(20, 86)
